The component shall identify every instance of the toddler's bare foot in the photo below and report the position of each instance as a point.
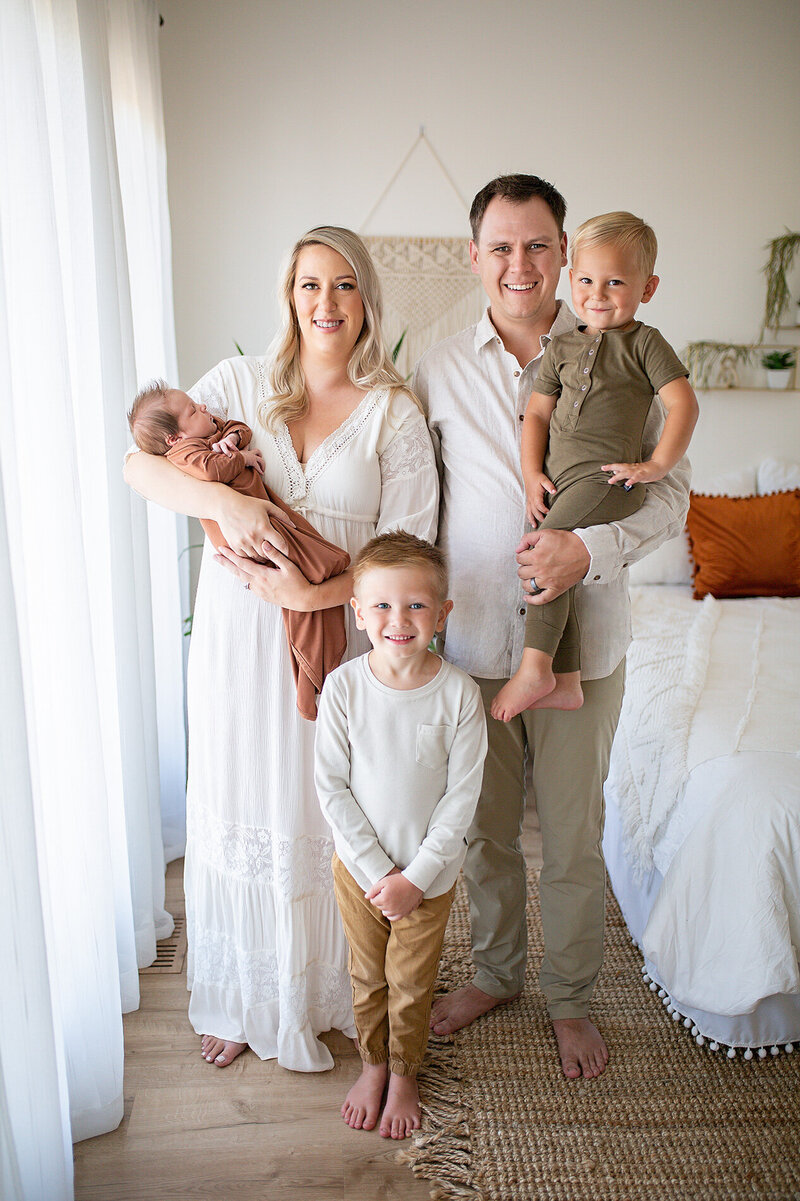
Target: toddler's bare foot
(458, 1009)
(363, 1103)
(567, 693)
(581, 1047)
(220, 1051)
(402, 1113)
(522, 691)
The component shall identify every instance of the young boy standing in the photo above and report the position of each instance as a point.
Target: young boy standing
(401, 739)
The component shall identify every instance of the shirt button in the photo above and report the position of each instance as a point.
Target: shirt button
(591, 352)
(523, 611)
(522, 416)
(586, 371)
(575, 404)
(583, 387)
(516, 373)
(597, 577)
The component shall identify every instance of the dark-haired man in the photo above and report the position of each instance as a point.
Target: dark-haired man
(475, 386)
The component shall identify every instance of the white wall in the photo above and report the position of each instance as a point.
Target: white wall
(280, 116)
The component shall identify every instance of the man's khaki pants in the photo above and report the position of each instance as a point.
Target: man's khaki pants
(392, 970)
(570, 753)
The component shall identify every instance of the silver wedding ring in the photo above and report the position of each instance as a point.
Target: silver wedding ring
(247, 585)
(535, 589)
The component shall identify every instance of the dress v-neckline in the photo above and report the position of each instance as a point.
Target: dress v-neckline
(330, 445)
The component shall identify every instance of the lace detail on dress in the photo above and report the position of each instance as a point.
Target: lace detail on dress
(300, 867)
(220, 963)
(335, 443)
(406, 454)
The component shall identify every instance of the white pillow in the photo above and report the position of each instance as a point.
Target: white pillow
(776, 475)
(671, 562)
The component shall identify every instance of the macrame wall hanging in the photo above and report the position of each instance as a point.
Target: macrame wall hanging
(429, 290)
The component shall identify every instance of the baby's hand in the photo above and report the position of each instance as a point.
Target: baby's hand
(253, 458)
(227, 445)
(395, 896)
(536, 485)
(634, 473)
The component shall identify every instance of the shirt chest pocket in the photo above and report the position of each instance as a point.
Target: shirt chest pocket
(433, 745)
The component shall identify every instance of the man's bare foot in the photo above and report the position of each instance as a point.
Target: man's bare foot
(363, 1103)
(567, 693)
(220, 1051)
(522, 691)
(461, 1007)
(581, 1047)
(402, 1113)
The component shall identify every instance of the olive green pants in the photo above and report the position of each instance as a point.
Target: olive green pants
(570, 753)
(553, 628)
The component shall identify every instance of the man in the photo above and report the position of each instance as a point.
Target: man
(475, 386)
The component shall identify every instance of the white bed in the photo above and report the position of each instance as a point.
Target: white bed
(702, 834)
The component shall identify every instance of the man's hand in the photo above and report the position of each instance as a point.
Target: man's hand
(536, 485)
(557, 559)
(227, 445)
(395, 896)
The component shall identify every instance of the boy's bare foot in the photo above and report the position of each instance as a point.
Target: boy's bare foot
(522, 691)
(581, 1047)
(402, 1113)
(363, 1103)
(567, 693)
(220, 1051)
(458, 1009)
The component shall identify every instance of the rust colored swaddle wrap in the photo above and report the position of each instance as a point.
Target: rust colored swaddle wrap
(317, 640)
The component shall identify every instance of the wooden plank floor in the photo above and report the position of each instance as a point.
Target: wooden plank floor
(253, 1131)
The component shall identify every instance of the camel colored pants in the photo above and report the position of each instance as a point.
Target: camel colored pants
(570, 753)
(393, 969)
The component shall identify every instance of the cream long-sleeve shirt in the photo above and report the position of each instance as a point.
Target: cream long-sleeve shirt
(398, 773)
(475, 394)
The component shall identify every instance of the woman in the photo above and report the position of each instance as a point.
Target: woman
(345, 444)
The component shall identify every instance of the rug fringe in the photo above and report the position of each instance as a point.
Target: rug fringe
(442, 1153)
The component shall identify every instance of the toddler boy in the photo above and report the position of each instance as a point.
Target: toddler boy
(401, 739)
(166, 421)
(589, 404)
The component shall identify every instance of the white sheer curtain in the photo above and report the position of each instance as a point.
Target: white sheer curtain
(85, 313)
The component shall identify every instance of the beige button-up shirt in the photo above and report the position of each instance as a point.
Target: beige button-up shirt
(475, 395)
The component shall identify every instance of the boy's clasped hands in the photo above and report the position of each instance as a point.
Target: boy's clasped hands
(395, 895)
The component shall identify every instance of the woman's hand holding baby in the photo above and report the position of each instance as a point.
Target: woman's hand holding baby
(395, 895)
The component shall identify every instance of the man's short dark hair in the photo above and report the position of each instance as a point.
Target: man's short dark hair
(517, 189)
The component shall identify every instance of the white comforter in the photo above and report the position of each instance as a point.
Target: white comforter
(705, 773)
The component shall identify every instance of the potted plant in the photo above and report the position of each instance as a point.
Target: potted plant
(779, 365)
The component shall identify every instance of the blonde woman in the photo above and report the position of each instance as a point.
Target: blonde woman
(345, 444)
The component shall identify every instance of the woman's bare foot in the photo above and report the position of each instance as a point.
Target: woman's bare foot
(567, 693)
(220, 1051)
(532, 680)
(363, 1103)
(458, 1009)
(581, 1047)
(402, 1113)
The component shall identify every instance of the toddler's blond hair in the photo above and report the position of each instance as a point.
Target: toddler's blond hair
(399, 549)
(624, 230)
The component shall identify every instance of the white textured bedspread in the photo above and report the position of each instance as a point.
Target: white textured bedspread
(705, 772)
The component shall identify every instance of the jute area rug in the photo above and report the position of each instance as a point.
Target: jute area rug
(667, 1120)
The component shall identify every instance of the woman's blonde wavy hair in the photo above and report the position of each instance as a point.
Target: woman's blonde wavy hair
(370, 365)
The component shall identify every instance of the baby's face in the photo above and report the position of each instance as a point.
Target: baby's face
(608, 286)
(193, 420)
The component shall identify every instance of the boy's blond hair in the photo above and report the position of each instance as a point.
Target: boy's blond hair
(151, 421)
(399, 549)
(624, 230)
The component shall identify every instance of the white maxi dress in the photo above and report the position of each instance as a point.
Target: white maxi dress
(267, 960)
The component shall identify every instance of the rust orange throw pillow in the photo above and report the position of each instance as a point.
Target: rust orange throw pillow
(747, 545)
